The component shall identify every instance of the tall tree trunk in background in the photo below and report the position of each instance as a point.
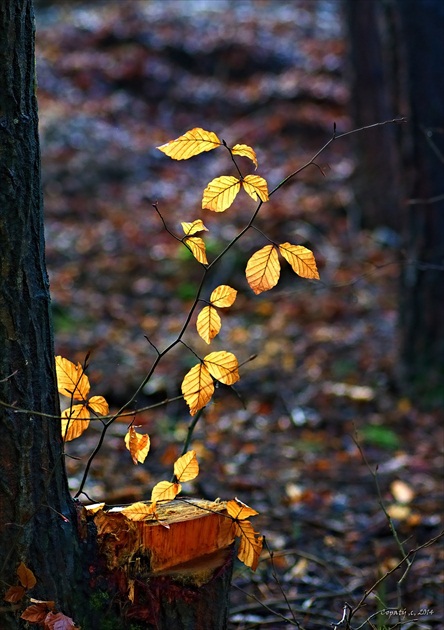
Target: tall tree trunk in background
(396, 52)
(37, 515)
(40, 524)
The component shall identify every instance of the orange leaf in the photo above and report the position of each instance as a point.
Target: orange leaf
(165, 491)
(246, 151)
(197, 388)
(186, 467)
(99, 405)
(139, 511)
(223, 366)
(256, 187)
(36, 613)
(250, 545)
(71, 380)
(192, 143)
(14, 594)
(223, 296)
(208, 323)
(72, 423)
(192, 228)
(137, 444)
(301, 259)
(239, 510)
(197, 248)
(26, 576)
(263, 269)
(220, 193)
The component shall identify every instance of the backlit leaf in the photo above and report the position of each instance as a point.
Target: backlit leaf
(223, 296)
(208, 323)
(301, 259)
(186, 467)
(99, 405)
(197, 247)
(75, 420)
(14, 594)
(263, 269)
(250, 545)
(192, 143)
(256, 187)
(246, 151)
(165, 491)
(138, 445)
(239, 510)
(193, 227)
(26, 576)
(139, 511)
(197, 388)
(220, 193)
(223, 366)
(71, 380)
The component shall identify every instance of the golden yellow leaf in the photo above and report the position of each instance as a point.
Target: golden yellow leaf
(192, 143)
(26, 576)
(208, 323)
(193, 227)
(139, 511)
(75, 420)
(239, 510)
(197, 387)
(71, 380)
(99, 405)
(223, 296)
(250, 545)
(263, 269)
(301, 259)
(138, 445)
(165, 491)
(246, 151)
(223, 366)
(14, 594)
(186, 467)
(220, 193)
(256, 187)
(197, 247)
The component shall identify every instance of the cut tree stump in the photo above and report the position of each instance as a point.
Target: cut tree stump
(172, 570)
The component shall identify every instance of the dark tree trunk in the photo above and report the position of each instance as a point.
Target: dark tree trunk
(40, 524)
(422, 296)
(395, 56)
(37, 515)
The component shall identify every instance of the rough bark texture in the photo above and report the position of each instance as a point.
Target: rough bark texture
(395, 50)
(40, 524)
(37, 515)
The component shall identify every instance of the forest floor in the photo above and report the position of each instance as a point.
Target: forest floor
(315, 436)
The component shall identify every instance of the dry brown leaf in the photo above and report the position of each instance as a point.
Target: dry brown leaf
(26, 576)
(14, 594)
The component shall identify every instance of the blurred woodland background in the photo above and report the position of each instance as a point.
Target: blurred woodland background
(329, 383)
